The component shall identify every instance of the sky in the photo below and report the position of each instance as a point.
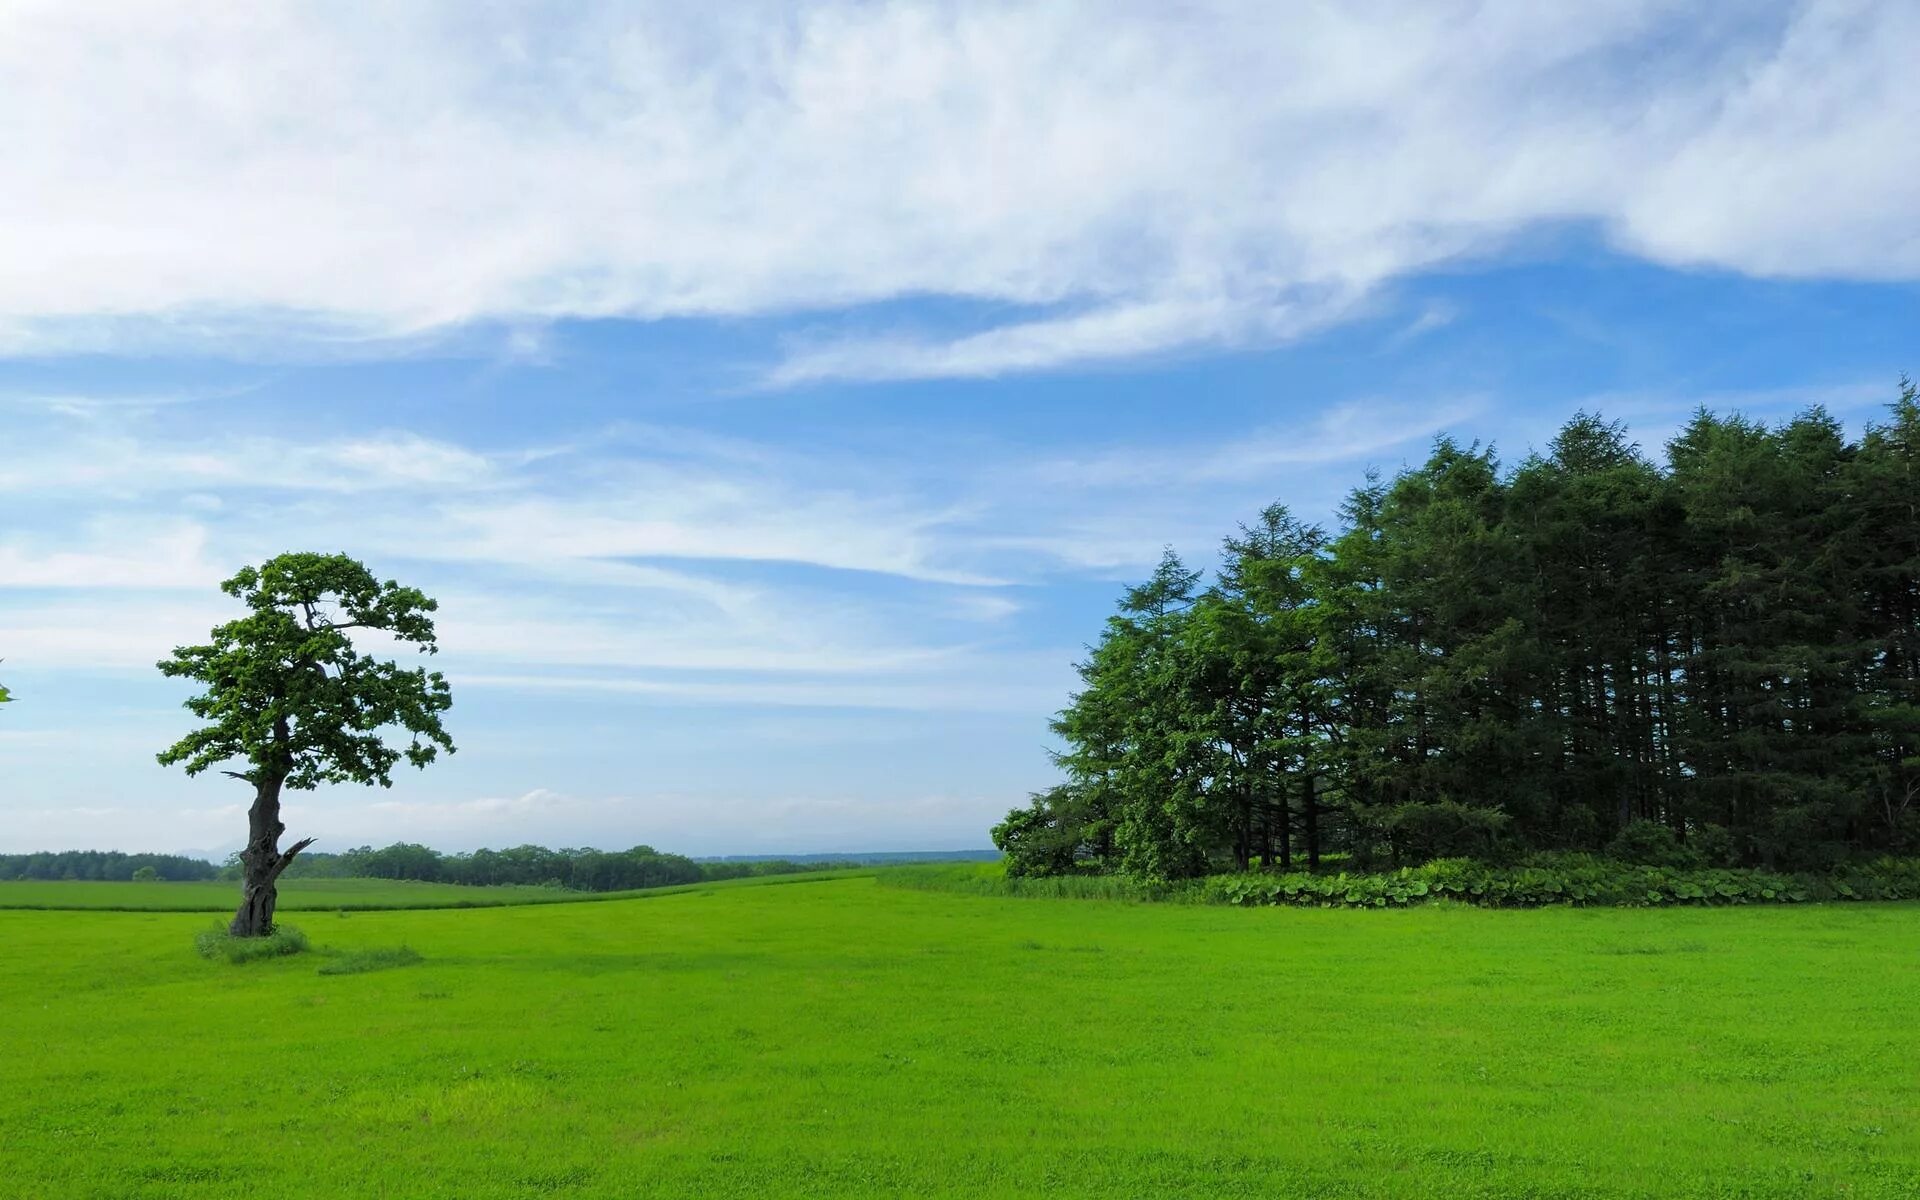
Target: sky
(777, 398)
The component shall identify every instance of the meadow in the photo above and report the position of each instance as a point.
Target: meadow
(841, 1037)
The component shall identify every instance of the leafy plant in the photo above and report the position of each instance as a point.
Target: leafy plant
(1651, 844)
(1569, 879)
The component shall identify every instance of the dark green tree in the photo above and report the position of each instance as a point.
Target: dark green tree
(290, 698)
(1716, 657)
(1884, 484)
(1278, 695)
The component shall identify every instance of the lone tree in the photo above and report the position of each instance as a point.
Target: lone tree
(289, 695)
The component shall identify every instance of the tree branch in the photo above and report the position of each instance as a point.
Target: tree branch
(286, 858)
(242, 776)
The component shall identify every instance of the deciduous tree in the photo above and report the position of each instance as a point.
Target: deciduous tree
(294, 703)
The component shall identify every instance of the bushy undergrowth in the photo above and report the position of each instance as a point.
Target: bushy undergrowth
(991, 879)
(383, 958)
(218, 943)
(1541, 879)
(1569, 879)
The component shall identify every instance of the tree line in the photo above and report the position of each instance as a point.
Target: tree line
(1589, 650)
(106, 865)
(581, 869)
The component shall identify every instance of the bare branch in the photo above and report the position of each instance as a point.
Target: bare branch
(286, 858)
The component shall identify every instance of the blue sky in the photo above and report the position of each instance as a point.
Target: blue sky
(777, 401)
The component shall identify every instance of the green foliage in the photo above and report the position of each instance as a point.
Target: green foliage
(1054, 835)
(359, 962)
(1416, 832)
(1572, 653)
(146, 875)
(584, 869)
(287, 692)
(1568, 879)
(1651, 844)
(1713, 846)
(219, 944)
(101, 865)
(992, 879)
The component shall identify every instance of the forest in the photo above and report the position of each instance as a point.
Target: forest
(1711, 655)
(104, 865)
(580, 869)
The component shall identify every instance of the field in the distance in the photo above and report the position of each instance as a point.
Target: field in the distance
(327, 895)
(848, 1038)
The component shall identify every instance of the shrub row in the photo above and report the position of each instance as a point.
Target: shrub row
(1568, 879)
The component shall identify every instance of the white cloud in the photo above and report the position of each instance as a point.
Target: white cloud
(543, 560)
(1126, 179)
(1022, 686)
(781, 822)
(1114, 331)
(119, 553)
(128, 631)
(1806, 162)
(1353, 431)
(95, 462)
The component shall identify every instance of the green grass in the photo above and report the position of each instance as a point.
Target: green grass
(218, 943)
(991, 879)
(373, 958)
(337, 895)
(843, 1038)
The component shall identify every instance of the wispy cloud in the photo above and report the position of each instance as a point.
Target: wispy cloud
(1349, 432)
(1144, 178)
(1125, 330)
(103, 461)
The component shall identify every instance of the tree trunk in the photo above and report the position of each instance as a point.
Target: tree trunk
(1310, 810)
(262, 861)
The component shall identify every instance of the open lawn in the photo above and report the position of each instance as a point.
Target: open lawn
(327, 895)
(844, 1038)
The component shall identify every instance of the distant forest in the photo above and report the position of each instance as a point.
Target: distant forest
(1715, 654)
(108, 865)
(581, 869)
(585, 870)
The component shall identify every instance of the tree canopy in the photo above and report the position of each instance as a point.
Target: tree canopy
(287, 692)
(1589, 648)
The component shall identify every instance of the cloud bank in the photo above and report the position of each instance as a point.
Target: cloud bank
(1098, 181)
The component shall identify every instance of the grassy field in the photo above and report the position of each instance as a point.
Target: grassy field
(328, 895)
(842, 1038)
